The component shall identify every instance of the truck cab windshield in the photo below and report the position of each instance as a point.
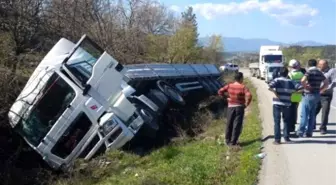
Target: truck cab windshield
(273, 58)
(81, 62)
(53, 100)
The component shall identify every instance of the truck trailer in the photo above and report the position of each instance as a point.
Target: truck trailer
(254, 69)
(80, 101)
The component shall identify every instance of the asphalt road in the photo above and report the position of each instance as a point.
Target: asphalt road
(308, 161)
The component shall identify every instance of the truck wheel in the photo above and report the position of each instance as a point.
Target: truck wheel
(151, 126)
(172, 93)
(160, 99)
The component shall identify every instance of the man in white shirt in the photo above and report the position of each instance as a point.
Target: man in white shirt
(326, 95)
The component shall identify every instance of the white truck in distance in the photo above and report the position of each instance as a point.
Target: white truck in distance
(270, 58)
(80, 101)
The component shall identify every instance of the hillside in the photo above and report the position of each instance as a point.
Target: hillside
(303, 54)
(236, 44)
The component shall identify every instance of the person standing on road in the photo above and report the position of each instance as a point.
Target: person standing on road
(239, 97)
(312, 87)
(295, 75)
(326, 96)
(283, 88)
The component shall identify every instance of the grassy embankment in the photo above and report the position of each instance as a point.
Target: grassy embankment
(201, 160)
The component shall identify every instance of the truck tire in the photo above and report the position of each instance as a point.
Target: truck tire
(172, 93)
(150, 126)
(160, 99)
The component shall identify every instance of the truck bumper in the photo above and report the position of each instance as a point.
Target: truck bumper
(119, 136)
(115, 139)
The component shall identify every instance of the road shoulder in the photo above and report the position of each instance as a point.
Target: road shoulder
(274, 168)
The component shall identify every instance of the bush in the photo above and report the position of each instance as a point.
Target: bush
(19, 164)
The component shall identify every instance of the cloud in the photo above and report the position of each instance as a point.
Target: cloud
(286, 13)
(175, 8)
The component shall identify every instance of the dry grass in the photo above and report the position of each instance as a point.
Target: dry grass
(201, 160)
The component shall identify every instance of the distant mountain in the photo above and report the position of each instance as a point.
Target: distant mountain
(308, 43)
(236, 44)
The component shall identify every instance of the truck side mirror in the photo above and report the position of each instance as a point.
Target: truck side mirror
(86, 89)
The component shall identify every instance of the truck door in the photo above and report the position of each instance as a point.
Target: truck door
(99, 74)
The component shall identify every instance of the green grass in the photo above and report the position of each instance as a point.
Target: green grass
(200, 161)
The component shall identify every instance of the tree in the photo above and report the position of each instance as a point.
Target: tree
(157, 48)
(189, 20)
(23, 21)
(183, 47)
(213, 52)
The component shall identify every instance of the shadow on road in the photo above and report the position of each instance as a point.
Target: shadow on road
(329, 142)
(331, 124)
(328, 131)
(316, 139)
(312, 140)
(267, 138)
(325, 136)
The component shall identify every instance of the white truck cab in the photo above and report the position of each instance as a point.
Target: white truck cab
(69, 104)
(270, 57)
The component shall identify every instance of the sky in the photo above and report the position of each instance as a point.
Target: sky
(278, 20)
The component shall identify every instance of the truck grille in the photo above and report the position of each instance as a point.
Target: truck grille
(90, 146)
(115, 135)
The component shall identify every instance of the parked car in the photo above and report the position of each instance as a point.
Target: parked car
(229, 67)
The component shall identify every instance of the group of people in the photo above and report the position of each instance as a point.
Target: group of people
(313, 88)
(291, 85)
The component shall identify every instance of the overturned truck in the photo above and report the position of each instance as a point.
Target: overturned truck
(80, 100)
